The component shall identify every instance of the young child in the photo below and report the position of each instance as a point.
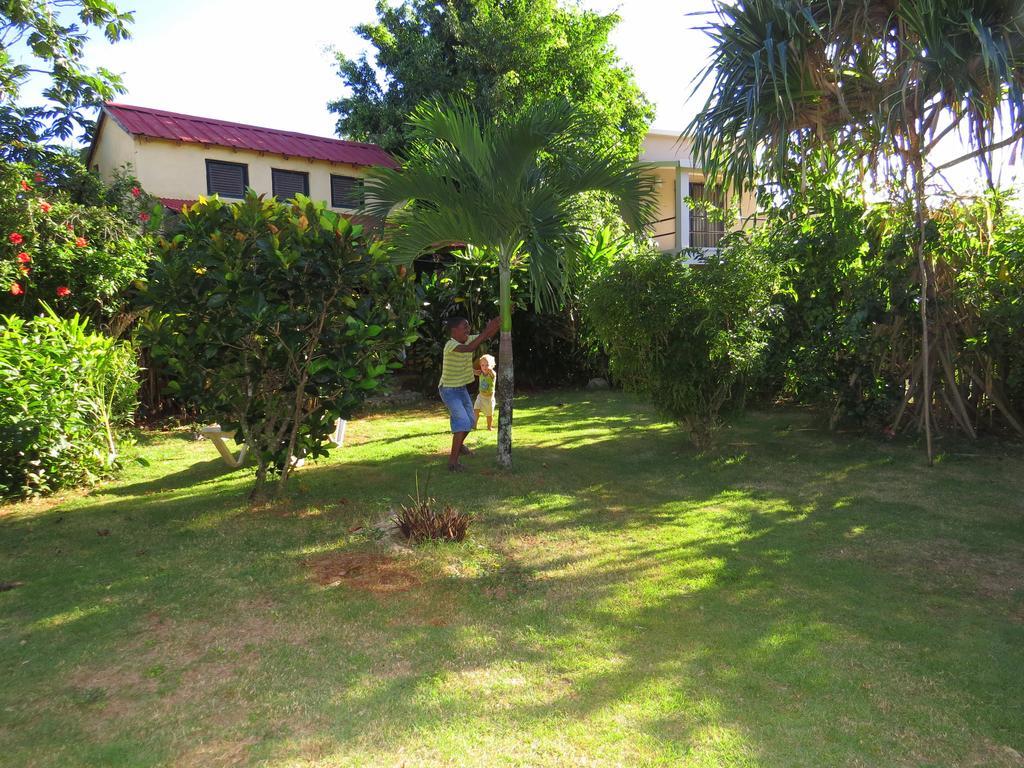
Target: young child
(456, 373)
(485, 396)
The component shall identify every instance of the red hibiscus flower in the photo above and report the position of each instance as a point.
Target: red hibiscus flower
(143, 216)
(25, 185)
(63, 291)
(38, 177)
(16, 238)
(81, 242)
(24, 258)
(45, 207)
(136, 191)
(69, 228)
(16, 290)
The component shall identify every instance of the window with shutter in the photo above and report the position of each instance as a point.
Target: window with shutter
(287, 184)
(226, 179)
(346, 192)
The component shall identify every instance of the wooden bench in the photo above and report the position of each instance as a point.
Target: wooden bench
(219, 438)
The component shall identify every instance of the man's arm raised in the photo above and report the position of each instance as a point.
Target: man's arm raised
(492, 327)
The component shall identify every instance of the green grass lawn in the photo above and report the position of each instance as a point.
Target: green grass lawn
(792, 598)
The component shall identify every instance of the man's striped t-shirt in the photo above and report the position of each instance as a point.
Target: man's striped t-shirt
(456, 367)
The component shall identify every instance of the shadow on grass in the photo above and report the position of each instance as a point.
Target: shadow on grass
(199, 474)
(726, 607)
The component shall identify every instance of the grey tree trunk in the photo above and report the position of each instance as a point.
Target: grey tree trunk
(506, 377)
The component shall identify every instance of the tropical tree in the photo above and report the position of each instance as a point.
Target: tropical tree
(504, 56)
(46, 39)
(511, 187)
(887, 84)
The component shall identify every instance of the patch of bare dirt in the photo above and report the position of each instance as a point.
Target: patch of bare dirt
(946, 563)
(222, 753)
(185, 661)
(365, 571)
(431, 611)
(992, 755)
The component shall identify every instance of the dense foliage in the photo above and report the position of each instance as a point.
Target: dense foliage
(838, 293)
(503, 56)
(848, 334)
(982, 277)
(552, 348)
(892, 88)
(80, 257)
(65, 393)
(686, 336)
(274, 319)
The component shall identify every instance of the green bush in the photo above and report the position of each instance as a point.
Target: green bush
(79, 257)
(838, 289)
(848, 334)
(685, 336)
(65, 392)
(274, 319)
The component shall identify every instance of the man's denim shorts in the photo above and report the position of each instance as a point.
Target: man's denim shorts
(460, 406)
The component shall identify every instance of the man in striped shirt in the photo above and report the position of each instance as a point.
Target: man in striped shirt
(456, 373)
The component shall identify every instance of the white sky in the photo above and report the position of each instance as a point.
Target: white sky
(267, 63)
(252, 61)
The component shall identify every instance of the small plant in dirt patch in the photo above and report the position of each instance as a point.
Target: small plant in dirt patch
(424, 519)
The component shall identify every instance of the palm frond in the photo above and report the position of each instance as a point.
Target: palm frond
(788, 75)
(498, 186)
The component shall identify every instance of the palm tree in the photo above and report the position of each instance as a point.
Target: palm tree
(513, 187)
(885, 81)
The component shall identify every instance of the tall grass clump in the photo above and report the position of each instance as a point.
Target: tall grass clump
(65, 394)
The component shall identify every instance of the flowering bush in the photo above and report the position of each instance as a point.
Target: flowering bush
(65, 392)
(81, 258)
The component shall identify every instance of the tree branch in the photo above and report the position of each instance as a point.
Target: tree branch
(1017, 136)
(940, 136)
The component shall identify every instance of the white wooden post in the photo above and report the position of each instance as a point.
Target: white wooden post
(682, 209)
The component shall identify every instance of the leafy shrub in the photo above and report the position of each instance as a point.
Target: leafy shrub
(838, 286)
(274, 319)
(686, 336)
(848, 335)
(81, 258)
(65, 392)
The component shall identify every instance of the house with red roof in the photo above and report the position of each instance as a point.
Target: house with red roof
(180, 157)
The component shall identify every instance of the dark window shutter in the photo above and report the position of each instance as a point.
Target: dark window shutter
(226, 179)
(288, 184)
(346, 192)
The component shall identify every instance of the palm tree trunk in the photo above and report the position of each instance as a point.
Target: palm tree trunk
(505, 383)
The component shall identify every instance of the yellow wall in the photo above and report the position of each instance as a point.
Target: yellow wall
(660, 146)
(114, 151)
(672, 155)
(665, 227)
(169, 169)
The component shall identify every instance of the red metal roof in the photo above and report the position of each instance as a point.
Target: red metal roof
(159, 124)
(175, 204)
